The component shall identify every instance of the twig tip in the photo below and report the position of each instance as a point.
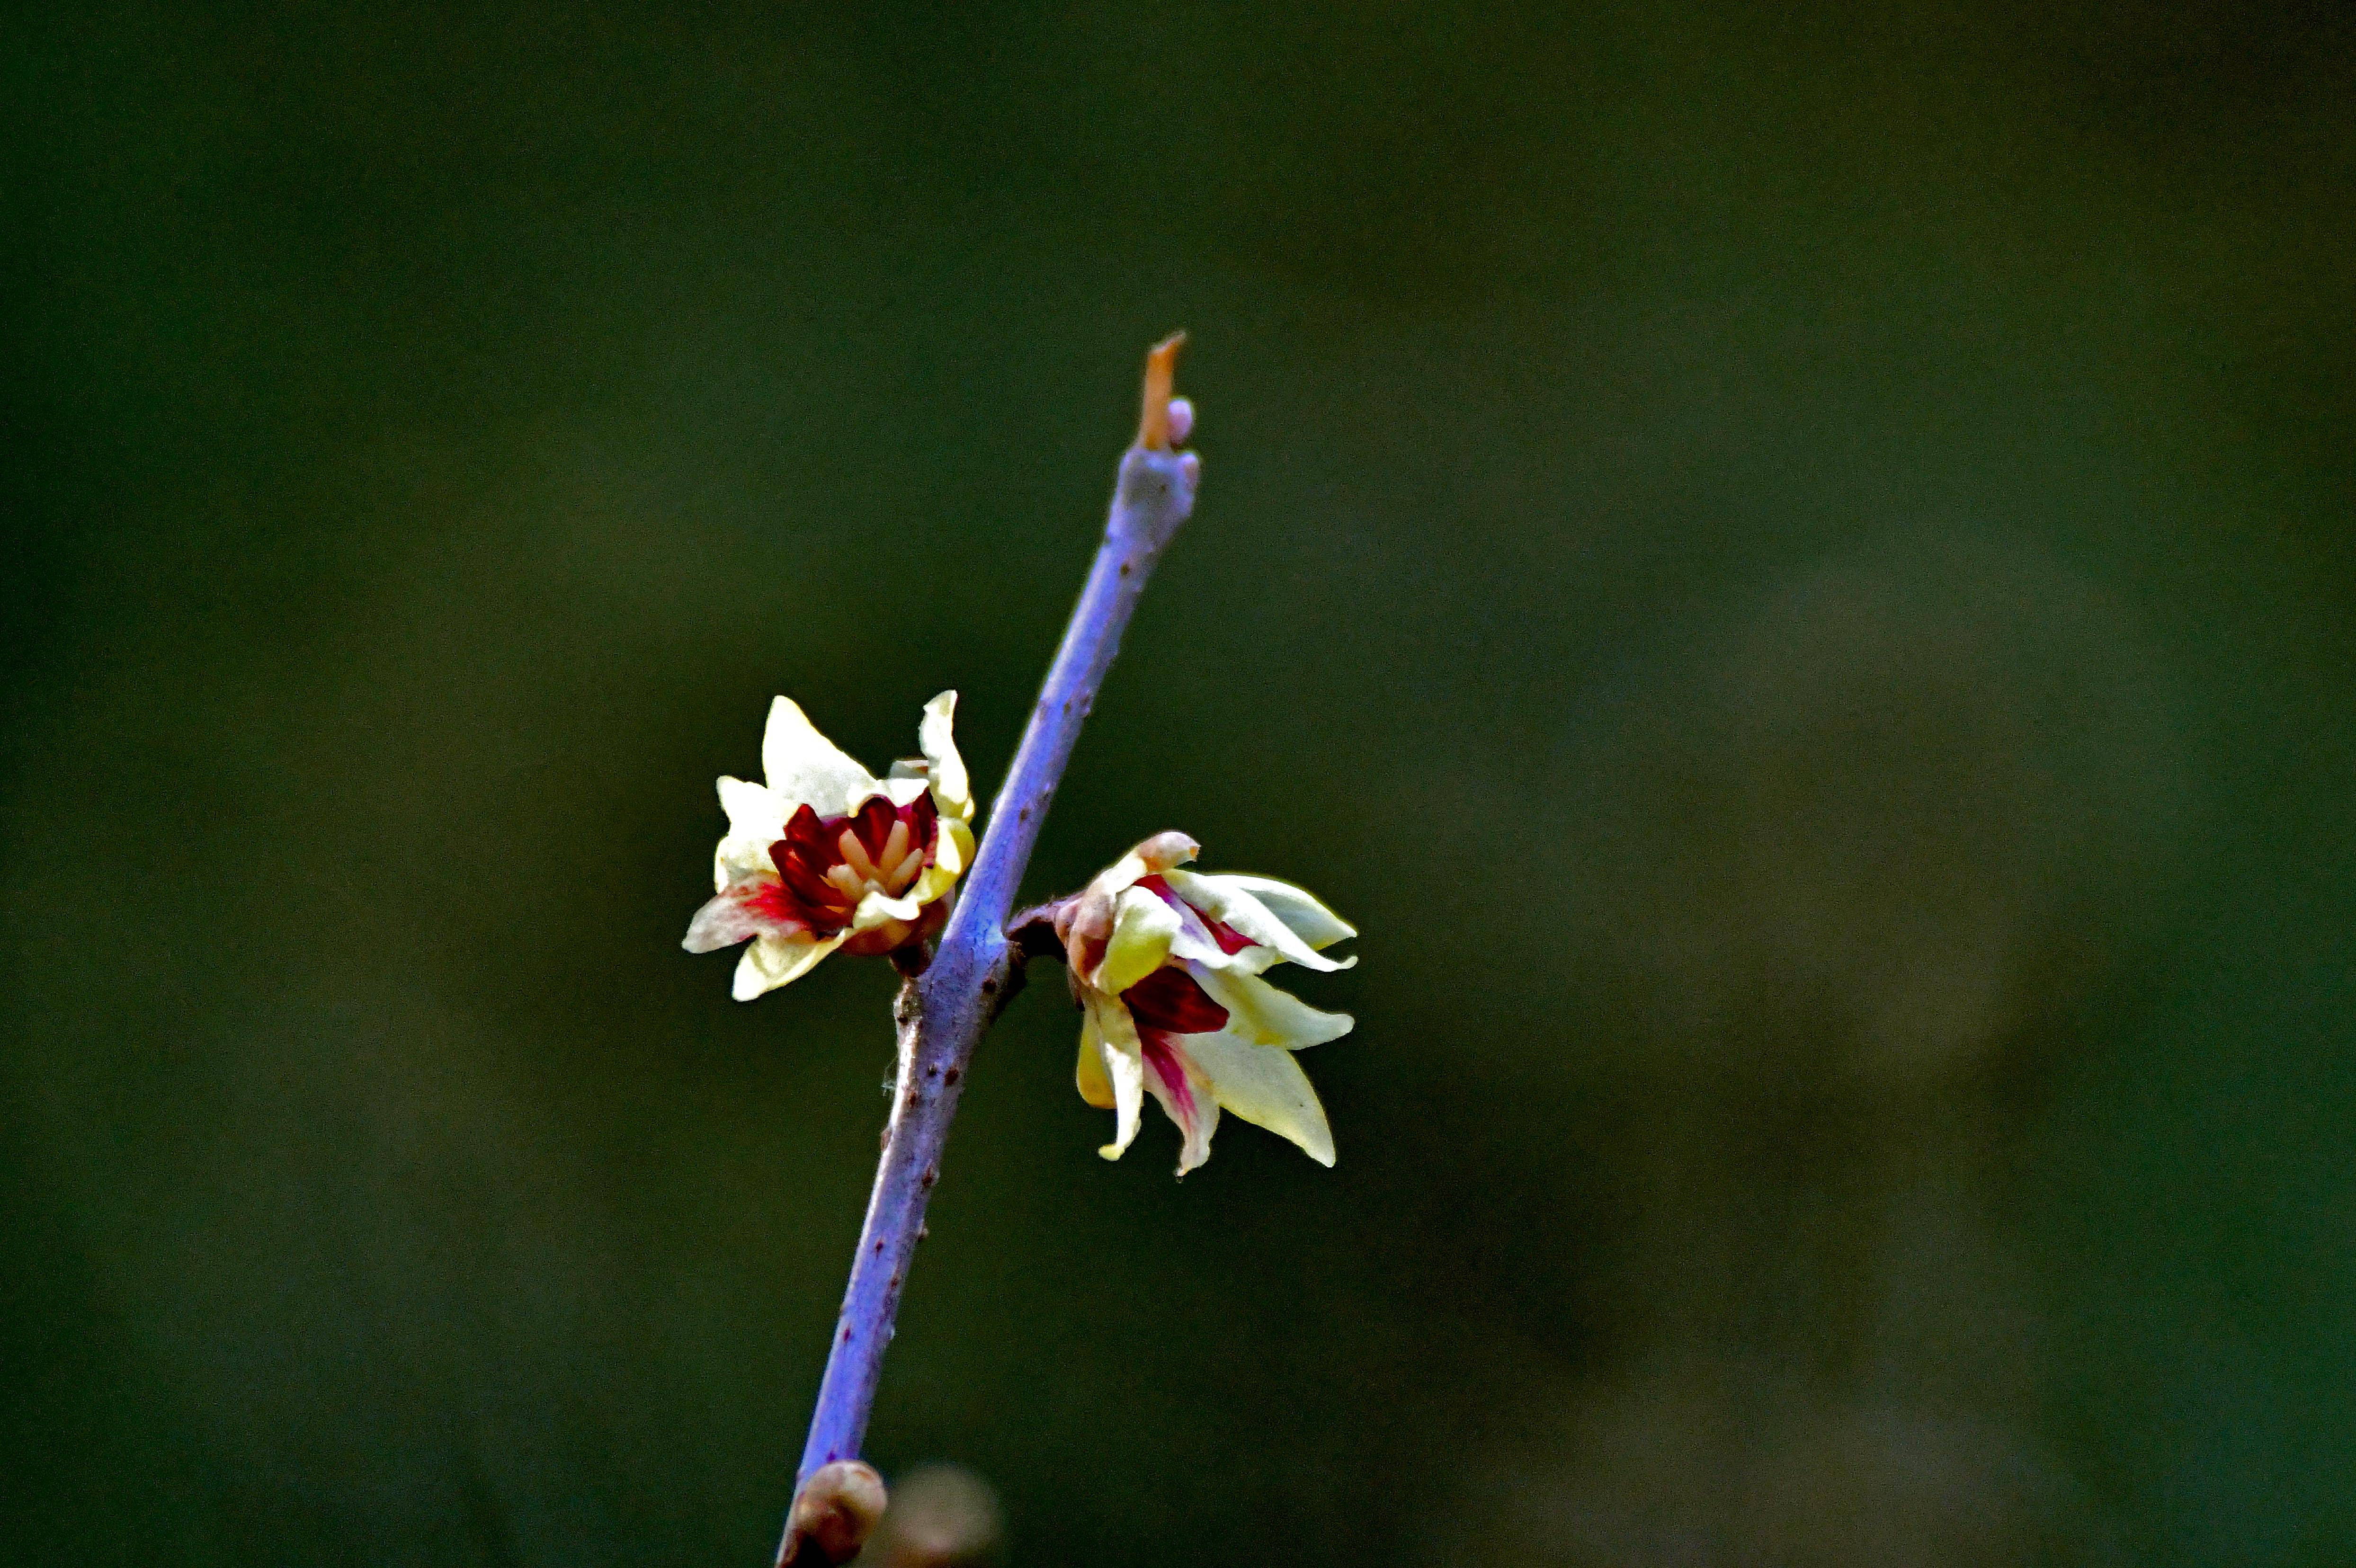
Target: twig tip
(1160, 370)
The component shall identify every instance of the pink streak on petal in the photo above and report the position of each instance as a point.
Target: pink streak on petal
(755, 905)
(1230, 939)
(1164, 1063)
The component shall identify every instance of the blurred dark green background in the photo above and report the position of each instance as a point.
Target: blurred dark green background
(1791, 568)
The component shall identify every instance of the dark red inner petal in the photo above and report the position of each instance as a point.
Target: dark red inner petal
(803, 857)
(1173, 1002)
(814, 890)
(806, 843)
(809, 831)
(1230, 939)
(873, 822)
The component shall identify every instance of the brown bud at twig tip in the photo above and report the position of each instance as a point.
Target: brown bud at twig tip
(833, 1514)
(1161, 368)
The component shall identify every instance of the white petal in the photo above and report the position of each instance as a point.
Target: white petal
(805, 768)
(754, 810)
(1306, 914)
(1259, 1012)
(774, 961)
(756, 819)
(1273, 913)
(1266, 1087)
(1115, 1033)
(901, 791)
(1194, 944)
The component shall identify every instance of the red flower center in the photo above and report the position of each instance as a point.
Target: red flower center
(1171, 1001)
(827, 864)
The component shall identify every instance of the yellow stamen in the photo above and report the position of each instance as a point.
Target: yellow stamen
(854, 855)
(905, 871)
(895, 845)
(853, 884)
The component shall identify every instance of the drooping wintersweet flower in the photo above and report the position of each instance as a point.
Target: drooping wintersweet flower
(1167, 964)
(827, 856)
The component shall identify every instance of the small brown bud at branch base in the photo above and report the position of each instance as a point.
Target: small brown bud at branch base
(834, 1513)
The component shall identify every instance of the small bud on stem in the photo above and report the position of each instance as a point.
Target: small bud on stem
(834, 1512)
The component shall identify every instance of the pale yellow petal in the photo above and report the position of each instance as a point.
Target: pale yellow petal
(1229, 899)
(1124, 1065)
(875, 910)
(805, 768)
(1094, 1079)
(1259, 1012)
(953, 850)
(1265, 1086)
(932, 882)
(936, 736)
(774, 960)
(951, 854)
(1142, 927)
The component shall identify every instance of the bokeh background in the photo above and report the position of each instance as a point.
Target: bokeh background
(1790, 566)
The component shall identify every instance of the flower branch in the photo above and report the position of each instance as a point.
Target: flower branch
(944, 1010)
(1164, 961)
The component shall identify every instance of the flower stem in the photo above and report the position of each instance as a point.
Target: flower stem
(943, 1012)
